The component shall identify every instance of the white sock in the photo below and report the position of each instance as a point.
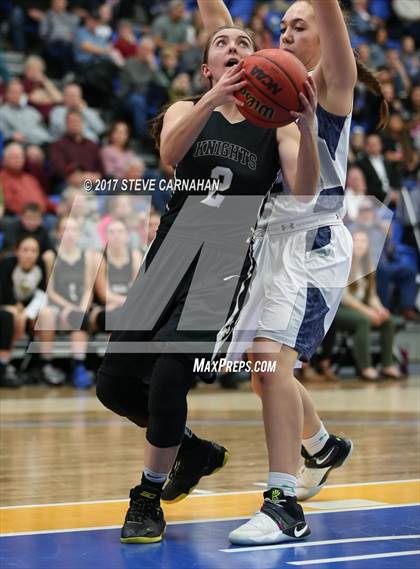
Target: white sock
(316, 443)
(286, 482)
(79, 357)
(157, 477)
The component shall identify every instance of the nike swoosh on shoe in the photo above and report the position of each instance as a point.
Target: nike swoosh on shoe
(321, 461)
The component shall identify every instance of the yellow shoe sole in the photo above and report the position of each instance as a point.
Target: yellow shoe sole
(142, 539)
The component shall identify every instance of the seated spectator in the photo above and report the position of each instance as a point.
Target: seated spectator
(399, 147)
(168, 70)
(104, 30)
(22, 295)
(362, 20)
(382, 178)
(192, 57)
(69, 297)
(357, 144)
(148, 226)
(136, 78)
(29, 224)
(398, 72)
(118, 268)
(375, 222)
(378, 48)
(97, 62)
(361, 310)
(18, 120)
(93, 125)
(126, 42)
(115, 154)
(355, 189)
(42, 93)
(37, 165)
(263, 36)
(83, 209)
(121, 208)
(136, 171)
(409, 57)
(57, 29)
(73, 152)
(180, 87)
(395, 105)
(20, 188)
(171, 28)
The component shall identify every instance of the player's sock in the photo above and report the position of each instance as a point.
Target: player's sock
(286, 482)
(154, 479)
(317, 442)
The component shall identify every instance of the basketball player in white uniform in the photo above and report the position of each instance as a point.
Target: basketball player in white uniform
(303, 255)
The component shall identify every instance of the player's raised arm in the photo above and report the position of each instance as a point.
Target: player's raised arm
(298, 148)
(338, 66)
(184, 121)
(215, 15)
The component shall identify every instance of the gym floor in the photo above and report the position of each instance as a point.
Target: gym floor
(67, 465)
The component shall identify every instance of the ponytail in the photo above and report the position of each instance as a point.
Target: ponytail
(372, 84)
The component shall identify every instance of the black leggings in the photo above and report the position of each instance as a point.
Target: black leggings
(160, 406)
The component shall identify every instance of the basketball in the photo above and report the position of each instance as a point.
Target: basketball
(275, 78)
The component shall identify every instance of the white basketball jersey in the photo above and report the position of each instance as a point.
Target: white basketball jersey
(333, 134)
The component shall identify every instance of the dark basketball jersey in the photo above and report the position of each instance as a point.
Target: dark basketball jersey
(242, 157)
(119, 278)
(69, 279)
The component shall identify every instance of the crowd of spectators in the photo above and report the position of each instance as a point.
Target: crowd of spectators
(96, 71)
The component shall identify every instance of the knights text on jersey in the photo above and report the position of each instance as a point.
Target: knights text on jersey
(241, 157)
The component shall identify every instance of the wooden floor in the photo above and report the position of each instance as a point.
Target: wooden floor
(62, 446)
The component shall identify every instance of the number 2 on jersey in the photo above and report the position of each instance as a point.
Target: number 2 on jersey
(225, 177)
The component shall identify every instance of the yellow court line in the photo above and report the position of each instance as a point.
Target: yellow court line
(100, 514)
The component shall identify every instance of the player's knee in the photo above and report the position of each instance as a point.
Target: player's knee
(131, 404)
(106, 390)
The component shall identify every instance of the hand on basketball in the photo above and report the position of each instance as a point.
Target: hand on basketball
(305, 120)
(230, 82)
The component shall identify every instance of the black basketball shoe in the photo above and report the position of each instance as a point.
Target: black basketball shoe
(280, 519)
(190, 466)
(314, 473)
(144, 522)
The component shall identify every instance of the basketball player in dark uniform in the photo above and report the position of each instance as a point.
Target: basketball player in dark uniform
(205, 139)
(117, 270)
(69, 295)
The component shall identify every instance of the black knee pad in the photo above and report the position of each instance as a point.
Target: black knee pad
(6, 330)
(171, 380)
(126, 396)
